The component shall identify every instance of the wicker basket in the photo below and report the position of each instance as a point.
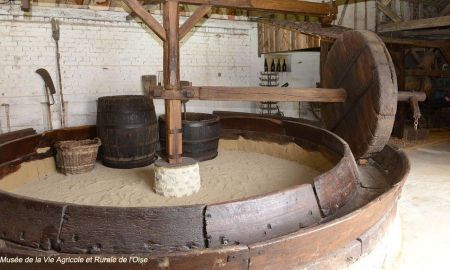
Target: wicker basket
(75, 157)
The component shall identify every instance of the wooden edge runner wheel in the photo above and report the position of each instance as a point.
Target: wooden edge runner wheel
(359, 62)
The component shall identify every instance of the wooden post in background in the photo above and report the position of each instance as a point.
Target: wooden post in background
(324, 48)
(171, 67)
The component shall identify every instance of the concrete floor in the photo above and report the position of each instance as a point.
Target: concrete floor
(420, 235)
(424, 209)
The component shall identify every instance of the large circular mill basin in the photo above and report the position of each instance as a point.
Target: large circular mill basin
(333, 221)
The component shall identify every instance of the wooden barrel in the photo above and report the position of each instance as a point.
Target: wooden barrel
(201, 134)
(128, 130)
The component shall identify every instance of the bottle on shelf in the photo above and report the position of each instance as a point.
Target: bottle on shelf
(284, 68)
(278, 65)
(272, 67)
(266, 66)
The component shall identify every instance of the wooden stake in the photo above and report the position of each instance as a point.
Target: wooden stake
(171, 67)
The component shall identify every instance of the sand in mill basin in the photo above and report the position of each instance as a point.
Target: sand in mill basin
(238, 172)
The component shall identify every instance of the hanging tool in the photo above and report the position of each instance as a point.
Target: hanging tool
(50, 91)
(55, 35)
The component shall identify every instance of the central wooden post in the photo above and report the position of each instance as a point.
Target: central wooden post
(171, 67)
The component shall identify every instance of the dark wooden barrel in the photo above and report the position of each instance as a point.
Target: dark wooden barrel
(201, 134)
(128, 129)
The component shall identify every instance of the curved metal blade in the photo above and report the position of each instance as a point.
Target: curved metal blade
(47, 79)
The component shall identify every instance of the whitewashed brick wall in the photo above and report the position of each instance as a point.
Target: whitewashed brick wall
(103, 54)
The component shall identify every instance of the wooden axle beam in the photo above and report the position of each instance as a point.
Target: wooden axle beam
(251, 94)
(407, 95)
(264, 94)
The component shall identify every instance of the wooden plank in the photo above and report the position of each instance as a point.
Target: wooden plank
(308, 245)
(262, 218)
(416, 42)
(146, 17)
(336, 187)
(292, 6)
(338, 259)
(313, 29)
(198, 14)
(372, 237)
(395, 163)
(442, 21)
(88, 229)
(429, 34)
(19, 148)
(14, 135)
(30, 223)
(427, 73)
(390, 13)
(279, 39)
(49, 138)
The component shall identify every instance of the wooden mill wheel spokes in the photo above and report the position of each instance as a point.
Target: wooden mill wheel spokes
(360, 63)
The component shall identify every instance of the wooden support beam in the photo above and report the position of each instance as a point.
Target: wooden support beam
(146, 17)
(416, 42)
(291, 6)
(415, 24)
(445, 11)
(385, 2)
(388, 12)
(171, 67)
(251, 94)
(198, 14)
(426, 32)
(324, 48)
(427, 73)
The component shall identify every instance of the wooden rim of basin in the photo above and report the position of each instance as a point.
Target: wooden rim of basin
(195, 119)
(303, 221)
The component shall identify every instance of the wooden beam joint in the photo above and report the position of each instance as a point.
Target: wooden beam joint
(388, 12)
(146, 17)
(198, 14)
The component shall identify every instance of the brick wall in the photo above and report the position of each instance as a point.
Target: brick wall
(104, 54)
